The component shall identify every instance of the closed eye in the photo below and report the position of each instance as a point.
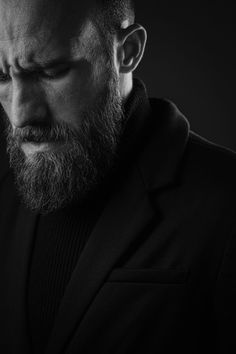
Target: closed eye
(55, 74)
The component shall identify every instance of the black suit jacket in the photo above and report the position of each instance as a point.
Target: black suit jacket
(157, 274)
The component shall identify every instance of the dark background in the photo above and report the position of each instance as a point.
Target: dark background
(190, 59)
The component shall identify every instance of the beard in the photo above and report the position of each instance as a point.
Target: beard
(50, 180)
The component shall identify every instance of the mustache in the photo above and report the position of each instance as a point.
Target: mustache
(40, 134)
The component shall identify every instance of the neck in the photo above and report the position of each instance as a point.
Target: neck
(126, 86)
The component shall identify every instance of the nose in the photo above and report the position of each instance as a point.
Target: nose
(28, 106)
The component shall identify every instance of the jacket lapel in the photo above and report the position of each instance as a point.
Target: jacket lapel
(115, 234)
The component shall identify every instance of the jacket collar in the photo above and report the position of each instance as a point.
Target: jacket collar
(165, 146)
(155, 137)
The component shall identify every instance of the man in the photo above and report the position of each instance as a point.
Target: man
(117, 223)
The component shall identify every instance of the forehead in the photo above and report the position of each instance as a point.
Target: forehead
(43, 26)
(25, 17)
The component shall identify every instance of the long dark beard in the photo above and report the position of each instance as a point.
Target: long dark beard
(51, 180)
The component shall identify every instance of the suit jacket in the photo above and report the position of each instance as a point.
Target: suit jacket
(157, 274)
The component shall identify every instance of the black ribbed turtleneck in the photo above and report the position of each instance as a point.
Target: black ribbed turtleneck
(60, 237)
(59, 240)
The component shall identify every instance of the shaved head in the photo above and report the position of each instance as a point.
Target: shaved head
(31, 15)
(41, 20)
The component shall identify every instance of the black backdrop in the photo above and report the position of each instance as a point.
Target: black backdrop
(190, 59)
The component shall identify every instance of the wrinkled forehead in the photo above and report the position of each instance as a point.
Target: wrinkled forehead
(22, 18)
(43, 27)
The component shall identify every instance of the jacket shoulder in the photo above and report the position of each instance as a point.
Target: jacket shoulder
(210, 160)
(209, 172)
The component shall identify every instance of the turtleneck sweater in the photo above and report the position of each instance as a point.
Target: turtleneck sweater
(61, 236)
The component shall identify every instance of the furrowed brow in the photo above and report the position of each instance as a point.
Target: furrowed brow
(38, 65)
(51, 63)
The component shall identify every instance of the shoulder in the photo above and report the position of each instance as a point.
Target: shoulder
(187, 168)
(174, 152)
(207, 176)
(198, 158)
(208, 162)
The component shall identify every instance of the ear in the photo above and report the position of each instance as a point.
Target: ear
(131, 45)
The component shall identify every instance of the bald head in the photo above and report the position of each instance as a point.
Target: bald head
(28, 17)
(23, 17)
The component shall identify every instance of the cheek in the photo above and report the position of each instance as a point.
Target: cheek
(5, 97)
(69, 97)
(5, 110)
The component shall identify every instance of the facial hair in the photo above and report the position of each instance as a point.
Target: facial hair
(50, 180)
